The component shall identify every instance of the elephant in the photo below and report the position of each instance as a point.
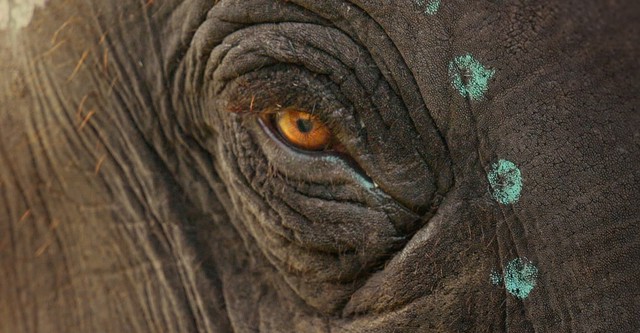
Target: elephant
(319, 166)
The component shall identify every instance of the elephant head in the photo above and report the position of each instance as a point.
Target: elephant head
(319, 166)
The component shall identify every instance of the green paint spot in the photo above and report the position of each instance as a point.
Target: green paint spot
(520, 277)
(506, 182)
(469, 76)
(431, 7)
(496, 278)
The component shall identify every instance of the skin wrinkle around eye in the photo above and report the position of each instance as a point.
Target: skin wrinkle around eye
(382, 121)
(342, 61)
(245, 196)
(308, 283)
(325, 174)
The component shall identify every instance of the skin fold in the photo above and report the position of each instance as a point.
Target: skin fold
(486, 180)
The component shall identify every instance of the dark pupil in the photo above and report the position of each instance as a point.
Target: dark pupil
(304, 125)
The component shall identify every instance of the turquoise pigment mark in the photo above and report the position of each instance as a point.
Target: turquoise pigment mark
(496, 278)
(520, 277)
(431, 7)
(505, 180)
(469, 76)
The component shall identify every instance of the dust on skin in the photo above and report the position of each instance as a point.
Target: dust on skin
(16, 14)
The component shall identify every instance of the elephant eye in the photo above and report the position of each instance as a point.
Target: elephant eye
(302, 129)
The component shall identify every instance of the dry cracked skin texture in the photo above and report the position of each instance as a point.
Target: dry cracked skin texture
(488, 179)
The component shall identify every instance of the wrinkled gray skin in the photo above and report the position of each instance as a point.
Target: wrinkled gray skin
(140, 193)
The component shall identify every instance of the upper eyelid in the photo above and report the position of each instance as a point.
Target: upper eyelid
(276, 91)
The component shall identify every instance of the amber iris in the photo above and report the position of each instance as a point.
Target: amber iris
(303, 130)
